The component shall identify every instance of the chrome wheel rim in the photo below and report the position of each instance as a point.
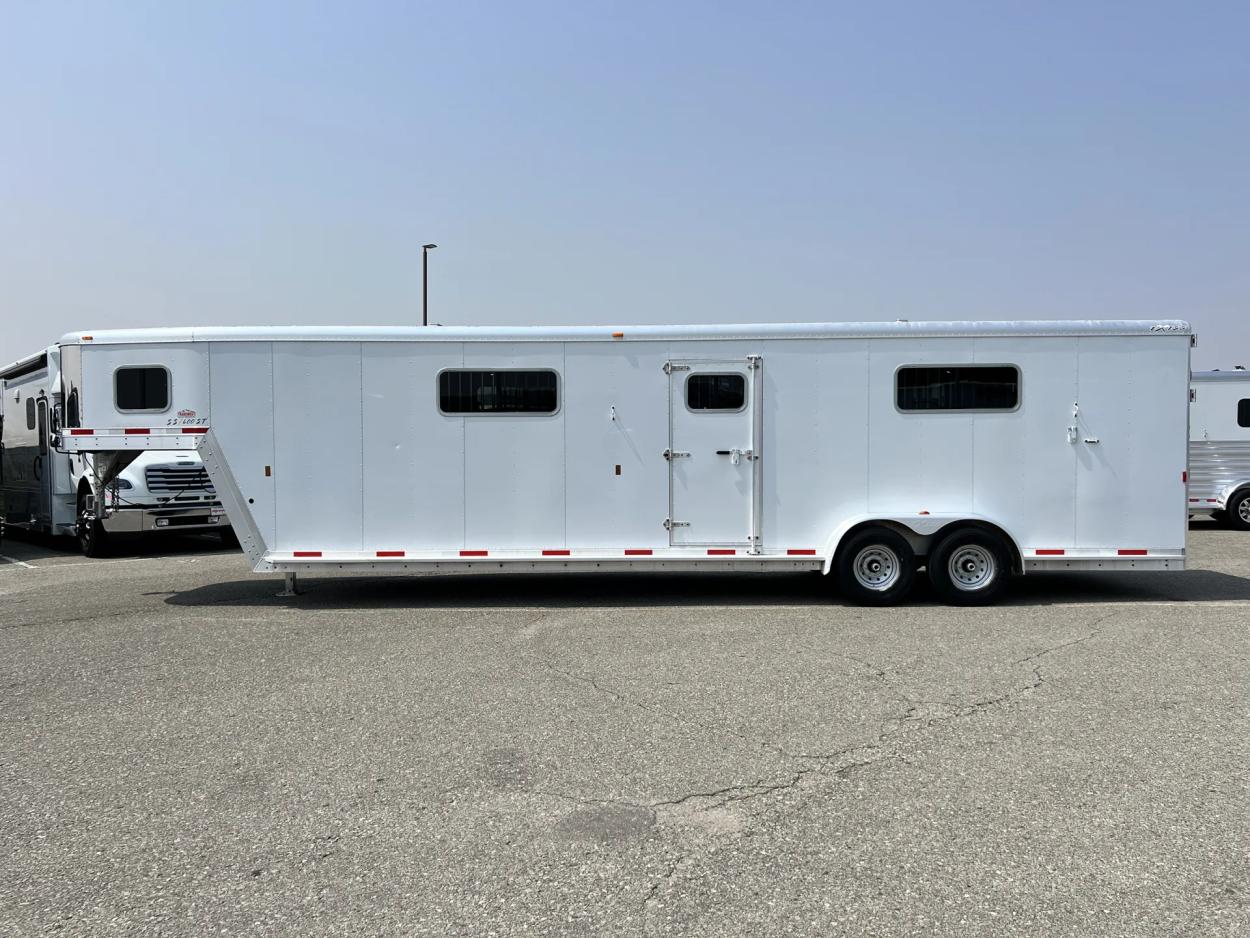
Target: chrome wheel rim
(876, 568)
(1243, 510)
(971, 567)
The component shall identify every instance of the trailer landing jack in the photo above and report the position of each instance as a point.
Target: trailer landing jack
(289, 585)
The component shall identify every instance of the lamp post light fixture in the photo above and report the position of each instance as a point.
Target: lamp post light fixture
(425, 282)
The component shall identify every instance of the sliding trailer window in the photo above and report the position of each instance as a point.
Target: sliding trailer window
(948, 388)
(1243, 412)
(473, 391)
(716, 392)
(141, 388)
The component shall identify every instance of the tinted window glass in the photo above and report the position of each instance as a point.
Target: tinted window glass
(30, 413)
(716, 392)
(1243, 412)
(43, 428)
(144, 388)
(497, 392)
(958, 387)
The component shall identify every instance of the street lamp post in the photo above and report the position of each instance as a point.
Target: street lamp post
(425, 282)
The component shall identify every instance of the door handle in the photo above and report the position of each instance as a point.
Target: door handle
(736, 455)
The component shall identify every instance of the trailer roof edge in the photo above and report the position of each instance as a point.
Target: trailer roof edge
(25, 366)
(1231, 375)
(902, 328)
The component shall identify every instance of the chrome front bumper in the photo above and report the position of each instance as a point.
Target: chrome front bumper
(207, 516)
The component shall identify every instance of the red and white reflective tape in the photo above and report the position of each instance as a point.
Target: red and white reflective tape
(134, 431)
(561, 552)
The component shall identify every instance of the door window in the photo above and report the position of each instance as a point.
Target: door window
(716, 392)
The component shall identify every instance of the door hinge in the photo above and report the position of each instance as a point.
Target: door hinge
(671, 454)
(669, 524)
(753, 361)
(670, 367)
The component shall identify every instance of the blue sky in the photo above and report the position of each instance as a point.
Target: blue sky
(250, 163)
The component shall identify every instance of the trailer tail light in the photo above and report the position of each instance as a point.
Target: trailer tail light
(473, 553)
(390, 553)
(555, 553)
(1131, 552)
(307, 553)
(638, 552)
(1184, 476)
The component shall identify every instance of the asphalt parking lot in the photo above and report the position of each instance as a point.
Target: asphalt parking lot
(183, 752)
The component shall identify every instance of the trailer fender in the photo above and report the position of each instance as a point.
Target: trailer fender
(1226, 494)
(917, 527)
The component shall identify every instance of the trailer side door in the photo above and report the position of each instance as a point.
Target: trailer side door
(714, 456)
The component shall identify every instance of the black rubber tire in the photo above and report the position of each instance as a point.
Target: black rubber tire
(229, 538)
(1236, 511)
(946, 587)
(889, 543)
(93, 540)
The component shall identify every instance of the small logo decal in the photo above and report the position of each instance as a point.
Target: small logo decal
(1167, 327)
(185, 412)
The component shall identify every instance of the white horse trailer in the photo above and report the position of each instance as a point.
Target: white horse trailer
(868, 450)
(1219, 447)
(50, 491)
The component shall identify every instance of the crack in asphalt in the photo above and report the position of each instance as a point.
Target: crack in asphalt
(823, 764)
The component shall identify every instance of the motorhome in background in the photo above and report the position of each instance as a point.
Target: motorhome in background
(866, 450)
(1219, 447)
(50, 491)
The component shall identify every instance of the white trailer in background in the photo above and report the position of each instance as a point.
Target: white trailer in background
(50, 491)
(868, 450)
(1219, 447)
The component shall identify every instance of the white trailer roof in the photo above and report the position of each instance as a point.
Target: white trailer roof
(900, 328)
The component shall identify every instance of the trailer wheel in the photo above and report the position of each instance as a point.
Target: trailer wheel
(970, 567)
(875, 567)
(1237, 515)
(92, 538)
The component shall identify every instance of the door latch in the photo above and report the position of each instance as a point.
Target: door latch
(736, 455)
(671, 454)
(669, 524)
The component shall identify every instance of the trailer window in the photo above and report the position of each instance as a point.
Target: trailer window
(30, 413)
(1243, 412)
(497, 392)
(716, 392)
(957, 387)
(141, 388)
